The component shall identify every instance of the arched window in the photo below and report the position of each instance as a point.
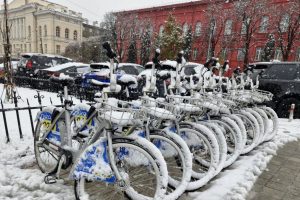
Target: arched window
(29, 31)
(161, 30)
(75, 35)
(57, 31)
(284, 23)
(45, 31)
(67, 33)
(185, 29)
(198, 29)
(40, 31)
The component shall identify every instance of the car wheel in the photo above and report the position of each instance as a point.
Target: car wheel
(284, 106)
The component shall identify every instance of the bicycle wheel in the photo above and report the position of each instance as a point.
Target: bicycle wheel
(273, 123)
(46, 153)
(252, 130)
(260, 121)
(142, 167)
(233, 139)
(205, 149)
(221, 142)
(178, 158)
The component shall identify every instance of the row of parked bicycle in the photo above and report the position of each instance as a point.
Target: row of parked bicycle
(153, 147)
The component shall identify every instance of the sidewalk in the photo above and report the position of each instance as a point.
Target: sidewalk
(281, 180)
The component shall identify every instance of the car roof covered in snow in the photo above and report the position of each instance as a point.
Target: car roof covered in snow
(47, 55)
(170, 63)
(128, 64)
(65, 66)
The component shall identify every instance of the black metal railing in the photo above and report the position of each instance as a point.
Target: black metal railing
(16, 109)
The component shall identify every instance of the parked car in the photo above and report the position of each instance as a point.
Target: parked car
(283, 80)
(14, 65)
(130, 68)
(31, 63)
(191, 68)
(259, 67)
(72, 69)
(100, 72)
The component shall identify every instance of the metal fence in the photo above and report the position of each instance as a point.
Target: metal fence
(27, 108)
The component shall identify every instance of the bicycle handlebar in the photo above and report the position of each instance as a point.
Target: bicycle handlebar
(110, 53)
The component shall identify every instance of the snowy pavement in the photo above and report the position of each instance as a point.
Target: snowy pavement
(20, 178)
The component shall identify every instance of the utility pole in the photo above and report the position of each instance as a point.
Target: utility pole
(8, 77)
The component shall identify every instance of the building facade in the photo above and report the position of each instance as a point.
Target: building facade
(40, 26)
(195, 15)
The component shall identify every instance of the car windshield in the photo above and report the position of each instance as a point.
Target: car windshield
(129, 69)
(98, 66)
(23, 60)
(189, 70)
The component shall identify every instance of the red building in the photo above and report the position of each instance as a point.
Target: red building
(229, 34)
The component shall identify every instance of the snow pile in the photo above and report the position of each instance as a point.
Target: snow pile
(236, 181)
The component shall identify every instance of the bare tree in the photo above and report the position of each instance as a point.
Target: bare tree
(214, 28)
(250, 13)
(287, 26)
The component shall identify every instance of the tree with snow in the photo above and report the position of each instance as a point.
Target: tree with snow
(253, 15)
(269, 50)
(132, 51)
(188, 42)
(145, 45)
(287, 30)
(171, 39)
(213, 30)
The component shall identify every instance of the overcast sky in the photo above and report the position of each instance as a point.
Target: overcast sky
(95, 9)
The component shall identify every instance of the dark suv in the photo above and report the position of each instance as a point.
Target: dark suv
(283, 80)
(30, 64)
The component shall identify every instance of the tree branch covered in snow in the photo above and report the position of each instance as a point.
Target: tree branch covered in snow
(250, 13)
(287, 26)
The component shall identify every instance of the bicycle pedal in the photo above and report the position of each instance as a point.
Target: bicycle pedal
(50, 179)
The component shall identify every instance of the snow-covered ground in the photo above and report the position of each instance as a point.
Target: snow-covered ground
(19, 178)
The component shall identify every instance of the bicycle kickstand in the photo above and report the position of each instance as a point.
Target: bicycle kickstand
(52, 177)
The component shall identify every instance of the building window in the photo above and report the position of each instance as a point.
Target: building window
(25, 48)
(224, 54)
(57, 49)
(258, 54)
(67, 33)
(29, 31)
(264, 24)
(185, 29)
(131, 33)
(198, 29)
(228, 27)
(150, 29)
(45, 31)
(284, 23)
(278, 54)
(75, 35)
(45, 48)
(245, 24)
(161, 30)
(241, 55)
(141, 32)
(195, 54)
(298, 55)
(40, 31)
(57, 31)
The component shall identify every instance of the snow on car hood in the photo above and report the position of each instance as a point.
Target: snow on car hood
(64, 66)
